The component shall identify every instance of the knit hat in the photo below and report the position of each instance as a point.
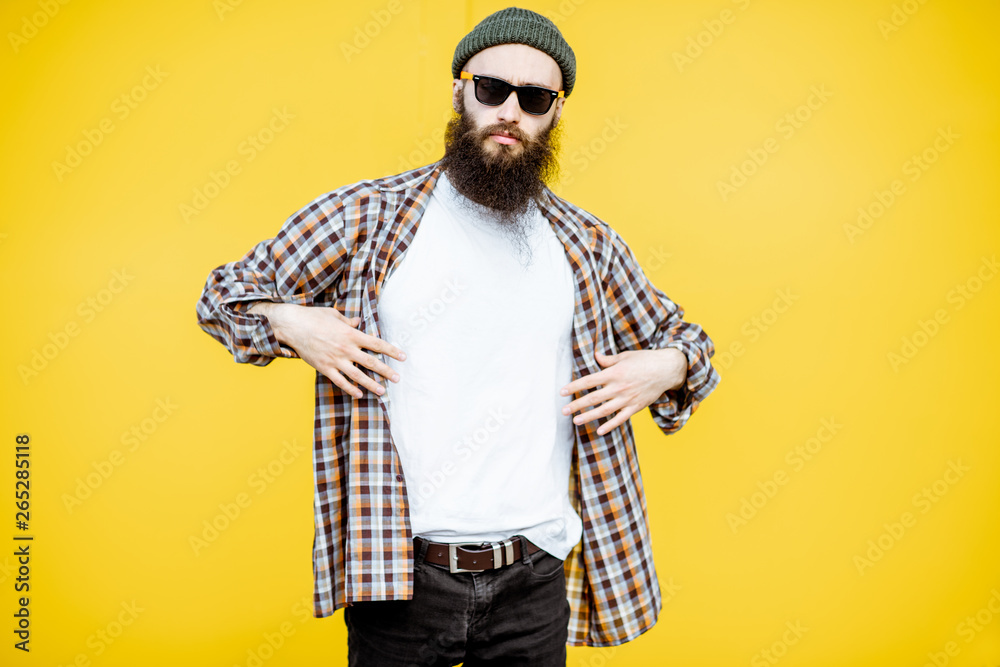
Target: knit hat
(518, 26)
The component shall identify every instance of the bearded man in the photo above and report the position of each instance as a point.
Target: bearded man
(458, 316)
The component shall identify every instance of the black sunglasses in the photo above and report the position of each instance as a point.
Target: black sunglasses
(493, 92)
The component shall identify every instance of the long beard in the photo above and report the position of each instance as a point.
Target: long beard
(505, 180)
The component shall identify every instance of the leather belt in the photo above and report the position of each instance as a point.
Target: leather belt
(487, 556)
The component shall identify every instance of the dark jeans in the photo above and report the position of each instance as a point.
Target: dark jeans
(514, 615)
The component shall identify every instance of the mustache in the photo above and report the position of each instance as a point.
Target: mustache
(502, 128)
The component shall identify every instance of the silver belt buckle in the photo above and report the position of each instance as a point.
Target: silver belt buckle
(507, 545)
(453, 560)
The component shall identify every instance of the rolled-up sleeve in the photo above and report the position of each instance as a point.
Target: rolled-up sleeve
(644, 318)
(303, 259)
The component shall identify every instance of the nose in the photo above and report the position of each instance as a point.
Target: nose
(510, 110)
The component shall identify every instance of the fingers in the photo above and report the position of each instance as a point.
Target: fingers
(619, 419)
(354, 373)
(361, 379)
(346, 365)
(373, 364)
(601, 411)
(586, 382)
(376, 344)
(339, 354)
(370, 361)
(338, 379)
(368, 341)
(353, 321)
(593, 398)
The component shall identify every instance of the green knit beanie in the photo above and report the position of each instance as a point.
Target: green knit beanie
(518, 26)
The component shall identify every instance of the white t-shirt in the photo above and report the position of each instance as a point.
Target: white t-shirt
(477, 416)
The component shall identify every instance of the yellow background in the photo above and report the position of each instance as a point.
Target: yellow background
(648, 138)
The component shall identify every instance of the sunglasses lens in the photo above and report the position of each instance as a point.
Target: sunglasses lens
(535, 100)
(492, 91)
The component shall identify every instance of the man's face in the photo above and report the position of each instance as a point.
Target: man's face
(501, 157)
(509, 125)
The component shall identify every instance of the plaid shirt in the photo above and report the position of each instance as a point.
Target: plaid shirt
(337, 252)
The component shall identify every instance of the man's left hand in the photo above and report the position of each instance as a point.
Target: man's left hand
(632, 380)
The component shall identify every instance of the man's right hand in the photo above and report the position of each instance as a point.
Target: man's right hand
(329, 342)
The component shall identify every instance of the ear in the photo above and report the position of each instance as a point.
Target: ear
(457, 90)
(559, 106)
